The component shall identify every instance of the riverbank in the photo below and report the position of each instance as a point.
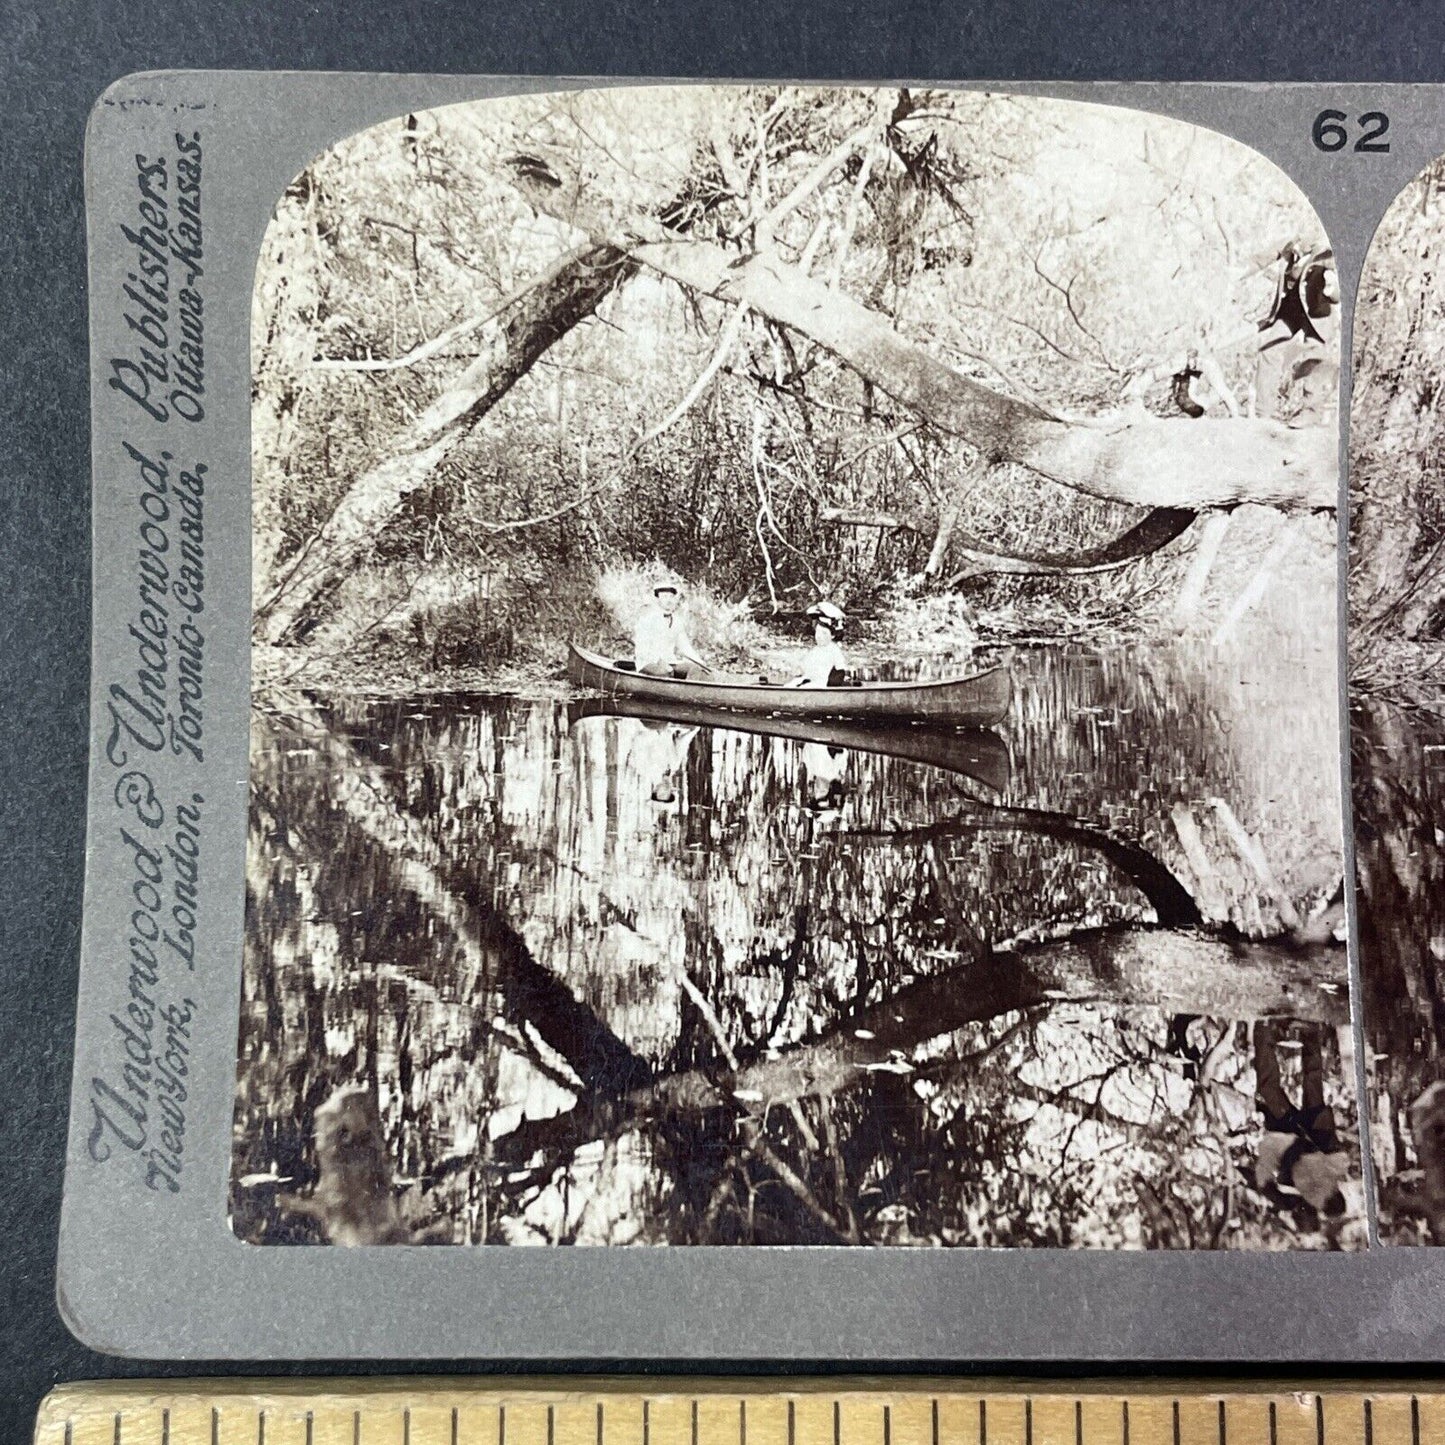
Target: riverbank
(1271, 576)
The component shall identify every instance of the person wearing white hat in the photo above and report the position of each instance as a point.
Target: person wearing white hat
(660, 644)
(824, 660)
(655, 753)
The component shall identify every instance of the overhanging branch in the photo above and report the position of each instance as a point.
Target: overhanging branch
(1138, 460)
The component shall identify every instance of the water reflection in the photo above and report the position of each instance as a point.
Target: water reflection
(1398, 772)
(681, 978)
(973, 752)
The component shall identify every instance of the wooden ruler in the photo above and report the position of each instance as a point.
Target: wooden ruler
(434, 1411)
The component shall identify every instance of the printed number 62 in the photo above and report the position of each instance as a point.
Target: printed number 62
(1329, 133)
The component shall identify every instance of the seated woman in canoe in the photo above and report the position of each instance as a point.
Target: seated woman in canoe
(824, 665)
(660, 644)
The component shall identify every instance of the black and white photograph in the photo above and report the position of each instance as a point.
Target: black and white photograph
(795, 683)
(1397, 698)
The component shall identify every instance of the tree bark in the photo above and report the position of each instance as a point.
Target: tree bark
(942, 539)
(540, 318)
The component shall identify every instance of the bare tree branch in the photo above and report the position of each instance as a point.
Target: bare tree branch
(427, 350)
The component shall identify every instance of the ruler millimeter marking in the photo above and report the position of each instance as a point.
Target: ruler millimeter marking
(429, 1411)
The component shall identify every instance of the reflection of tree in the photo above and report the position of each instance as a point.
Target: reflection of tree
(540, 1019)
(1149, 968)
(870, 1066)
(1400, 873)
(1167, 896)
(1397, 623)
(497, 957)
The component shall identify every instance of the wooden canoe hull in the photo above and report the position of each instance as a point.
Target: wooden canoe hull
(978, 701)
(970, 752)
(976, 754)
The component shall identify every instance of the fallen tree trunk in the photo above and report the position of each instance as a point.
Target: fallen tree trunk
(1147, 536)
(1138, 459)
(1150, 534)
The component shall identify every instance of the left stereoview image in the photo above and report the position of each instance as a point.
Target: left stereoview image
(795, 683)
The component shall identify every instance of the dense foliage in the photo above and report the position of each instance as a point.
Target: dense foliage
(1073, 256)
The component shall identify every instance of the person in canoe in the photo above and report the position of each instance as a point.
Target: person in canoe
(827, 769)
(660, 644)
(824, 664)
(657, 753)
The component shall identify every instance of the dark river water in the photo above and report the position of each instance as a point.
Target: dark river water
(618, 979)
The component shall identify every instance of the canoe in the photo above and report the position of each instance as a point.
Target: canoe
(978, 701)
(971, 752)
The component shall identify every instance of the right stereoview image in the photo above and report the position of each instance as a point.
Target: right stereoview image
(1397, 696)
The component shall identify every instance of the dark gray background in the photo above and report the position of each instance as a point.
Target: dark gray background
(54, 63)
